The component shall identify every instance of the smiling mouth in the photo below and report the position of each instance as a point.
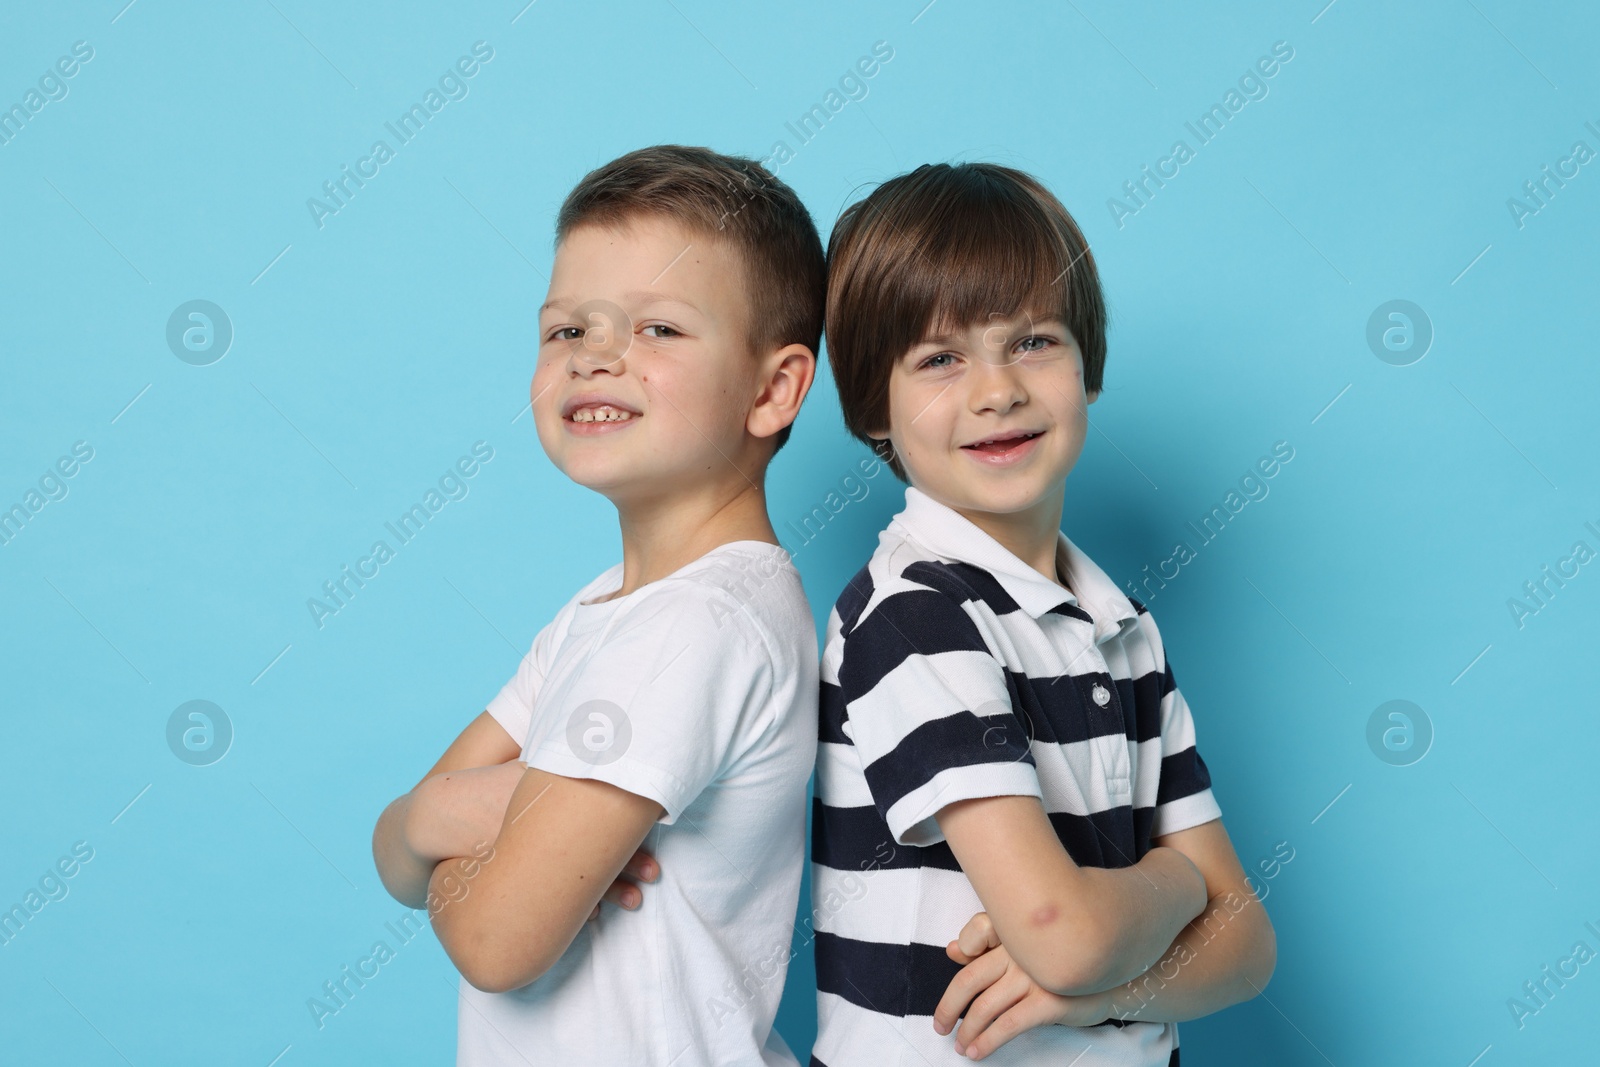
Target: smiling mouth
(1002, 444)
(601, 413)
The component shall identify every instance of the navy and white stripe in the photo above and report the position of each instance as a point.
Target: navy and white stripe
(953, 670)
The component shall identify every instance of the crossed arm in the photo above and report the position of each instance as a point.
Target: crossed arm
(1176, 936)
(509, 860)
(1223, 956)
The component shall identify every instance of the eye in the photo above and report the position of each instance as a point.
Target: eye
(929, 362)
(565, 333)
(1035, 343)
(666, 331)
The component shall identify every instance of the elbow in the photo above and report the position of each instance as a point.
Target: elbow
(488, 967)
(1256, 957)
(1265, 958)
(480, 932)
(490, 979)
(477, 944)
(393, 859)
(1084, 968)
(1072, 955)
(413, 897)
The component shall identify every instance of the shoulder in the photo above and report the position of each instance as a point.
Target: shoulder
(1145, 634)
(886, 617)
(608, 579)
(747, 569)
(899, 574)
(742, 587)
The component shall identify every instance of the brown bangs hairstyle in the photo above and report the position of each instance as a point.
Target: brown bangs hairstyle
(727, 198)
(947, 246)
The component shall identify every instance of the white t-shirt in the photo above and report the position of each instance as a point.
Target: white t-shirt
(699, 691)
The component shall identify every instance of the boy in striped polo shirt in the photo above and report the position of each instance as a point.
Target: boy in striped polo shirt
(1015, 845)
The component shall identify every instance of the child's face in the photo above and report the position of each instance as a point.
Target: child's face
(998, 379)
(651, 316)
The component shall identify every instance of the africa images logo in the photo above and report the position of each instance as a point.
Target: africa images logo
(452, 85)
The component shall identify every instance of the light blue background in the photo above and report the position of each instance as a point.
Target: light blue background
(377, 349)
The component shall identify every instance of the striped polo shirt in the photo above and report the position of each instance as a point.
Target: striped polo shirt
(953, 670)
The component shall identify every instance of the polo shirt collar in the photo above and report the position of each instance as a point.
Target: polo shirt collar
(944, 532)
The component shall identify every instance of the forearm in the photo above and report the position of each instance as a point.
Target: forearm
(447, 815)
(509, 915)
(1136, 912)
(1074, 930)
(1101, 927)
(1225, 956)
(462, 920)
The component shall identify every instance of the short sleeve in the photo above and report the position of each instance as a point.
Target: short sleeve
(930, 713)
(672, 693)
(512, 707)
(1183, 793)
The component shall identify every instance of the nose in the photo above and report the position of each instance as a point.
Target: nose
(607, 335)
(996, 386)
(585, 361)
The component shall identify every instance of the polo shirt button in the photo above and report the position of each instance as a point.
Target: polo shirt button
(1102, 695)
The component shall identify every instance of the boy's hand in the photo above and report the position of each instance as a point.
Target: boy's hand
(623, 893)
(975, 938)
(999, 998)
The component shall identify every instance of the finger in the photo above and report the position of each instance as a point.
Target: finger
(953, 950)
(1025, 1015)
(978, 936)
(642, 866)
(994, 1002)
(972, 979)
(624, 894)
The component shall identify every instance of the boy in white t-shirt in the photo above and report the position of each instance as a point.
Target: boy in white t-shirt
(661, 729)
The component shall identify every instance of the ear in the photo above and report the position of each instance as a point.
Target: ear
(878, 436)
(786, 377)
(1093, 395)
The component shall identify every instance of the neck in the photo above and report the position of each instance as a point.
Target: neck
(666, 532)
(1030, 534)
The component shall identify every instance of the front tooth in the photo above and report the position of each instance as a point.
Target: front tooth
(603, 413)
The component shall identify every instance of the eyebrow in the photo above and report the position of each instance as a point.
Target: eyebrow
(942, 339)
(637, 296)
(934, 339)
